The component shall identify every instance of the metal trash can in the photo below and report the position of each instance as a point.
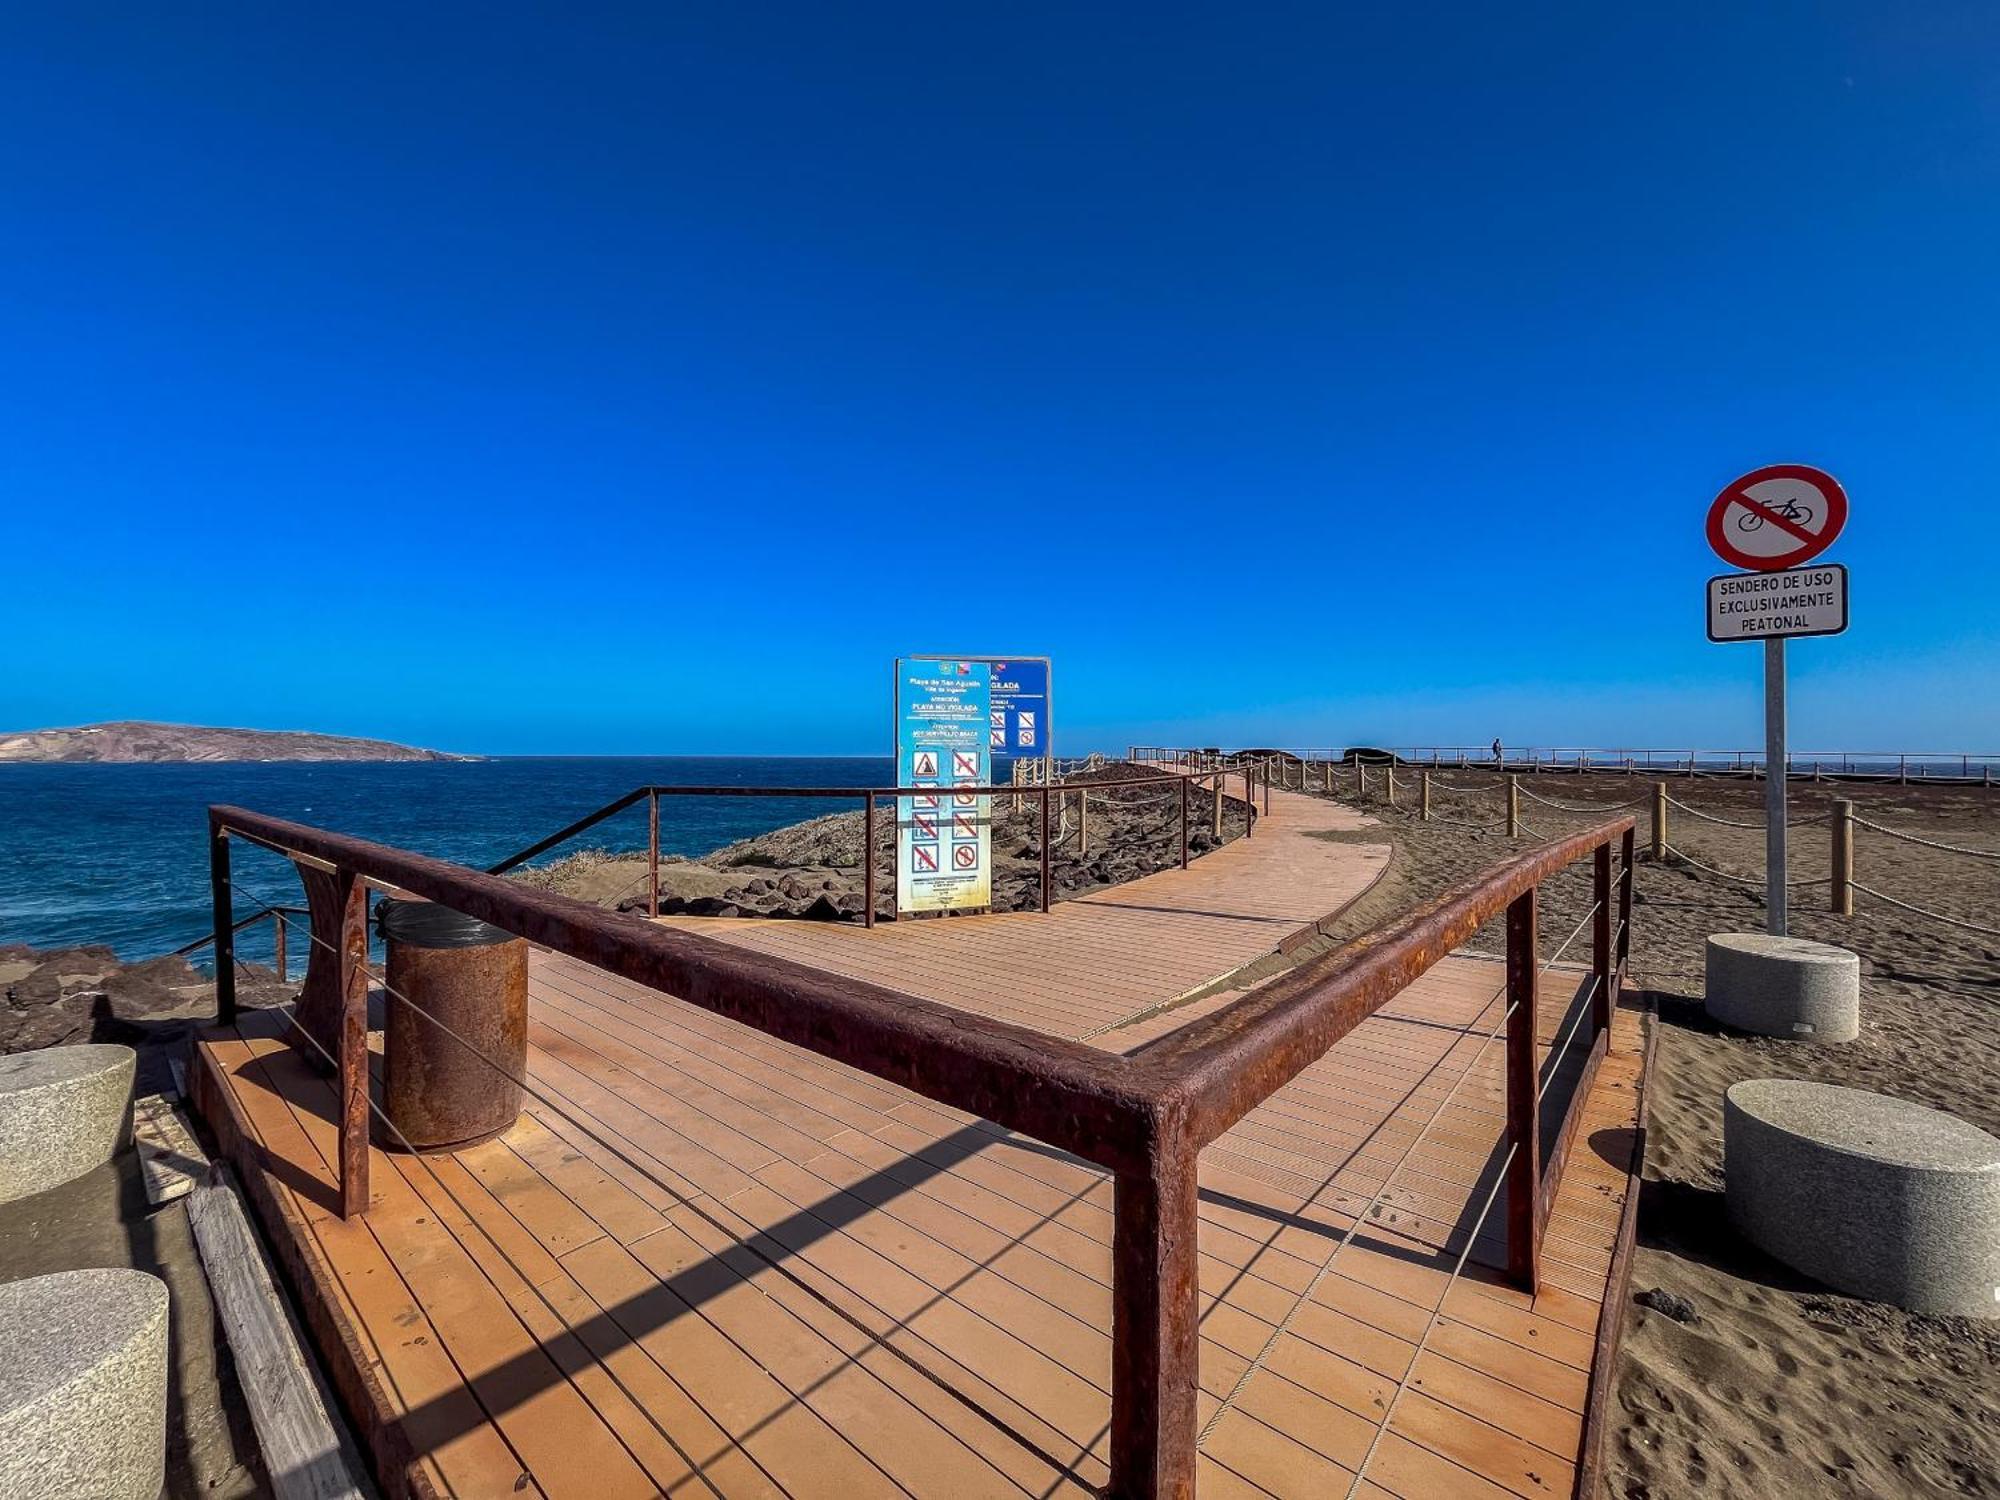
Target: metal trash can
(440, 1090)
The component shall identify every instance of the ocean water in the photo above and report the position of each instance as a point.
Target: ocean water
(117, 854)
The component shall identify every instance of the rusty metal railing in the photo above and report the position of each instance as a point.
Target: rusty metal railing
(1255, 772)
(1144, 1118)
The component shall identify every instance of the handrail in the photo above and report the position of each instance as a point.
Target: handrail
(868, 796)
(1144, 1117)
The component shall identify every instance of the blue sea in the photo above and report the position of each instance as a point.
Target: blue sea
(117, 854)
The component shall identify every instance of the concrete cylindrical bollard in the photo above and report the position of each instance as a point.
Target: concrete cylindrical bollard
(1784, 986)
(63, 1112)
(1874, 1196)
(456, 1037)
(83, 1387)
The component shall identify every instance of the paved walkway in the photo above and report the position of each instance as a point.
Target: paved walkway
(1095, 963)
(707, 1263)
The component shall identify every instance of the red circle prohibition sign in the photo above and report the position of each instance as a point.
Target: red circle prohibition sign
(1777, 517)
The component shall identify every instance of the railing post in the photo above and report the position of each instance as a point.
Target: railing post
(1841, 902)
(1082, 821)
(1524, 1167)
(653, 854)
(1045, 846)
(1624, 914)
(1600, 942)
(1184, 823)
(1659, 821)
(1215, 810)
(1249, 802)
(1513, 805)
(1267, 788)
(1391, 783)
(868, 860)
(222, 907)
(278, 946)
(1424, 796)
(351, 1057)
(1155, 1311)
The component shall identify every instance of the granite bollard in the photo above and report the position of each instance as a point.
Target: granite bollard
(83, 1386)
(1874, 1196)
(63, 1112)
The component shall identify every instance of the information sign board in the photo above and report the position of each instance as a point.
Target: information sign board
(1778, 606)
(943, 711)
(1018, 720)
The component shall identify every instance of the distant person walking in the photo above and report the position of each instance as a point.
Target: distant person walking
(1499, 759)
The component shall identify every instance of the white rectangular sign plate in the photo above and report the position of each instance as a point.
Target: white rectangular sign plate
(1778, 606)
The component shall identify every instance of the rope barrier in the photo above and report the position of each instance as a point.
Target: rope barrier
(1687, 858)
(1580, 807)
(1920, 911)
(1896, 833)
(1706, 817)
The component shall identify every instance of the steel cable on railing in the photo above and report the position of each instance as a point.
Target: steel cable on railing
(1430, 1326)
(693, 1464)
(1921, 911)
(570, 1109)
(1897, 833)
(1362, 1217)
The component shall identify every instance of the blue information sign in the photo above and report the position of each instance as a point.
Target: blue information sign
(1018, 717)
(943, 836)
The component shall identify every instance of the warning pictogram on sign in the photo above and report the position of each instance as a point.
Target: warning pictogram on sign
(965, 765)
(924, 763)
(923, 858)
(924, 825)
(1777, 517)
(965, 825)
(965, 856)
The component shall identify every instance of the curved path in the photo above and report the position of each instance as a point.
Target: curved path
(1095, 963)
(707, 1263)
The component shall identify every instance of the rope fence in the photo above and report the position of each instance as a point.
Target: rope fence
(1379, 782)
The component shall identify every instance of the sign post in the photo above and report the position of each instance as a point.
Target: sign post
(1772, 521)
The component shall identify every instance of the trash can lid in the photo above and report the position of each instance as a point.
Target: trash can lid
(425, 924)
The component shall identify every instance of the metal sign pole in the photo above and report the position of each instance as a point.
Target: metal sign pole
(1775, 764)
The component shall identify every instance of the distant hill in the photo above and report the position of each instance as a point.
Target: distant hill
(134, 741)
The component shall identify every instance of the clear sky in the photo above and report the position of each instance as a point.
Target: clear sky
(644, 379)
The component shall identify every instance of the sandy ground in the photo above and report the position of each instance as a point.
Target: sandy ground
(1756, 1381)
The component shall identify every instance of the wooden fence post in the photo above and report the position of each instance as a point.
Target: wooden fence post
(1601, 960)
(1424, 796)
(1184, 823)
(867, 862)
(1842, 901)
(1524, 1168)
(1215, 812)
(1513, 805)
(1391, 787)
(1083, 821)
(278, 946)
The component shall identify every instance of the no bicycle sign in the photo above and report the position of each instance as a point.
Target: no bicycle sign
(1777, 517)
(1771, 522)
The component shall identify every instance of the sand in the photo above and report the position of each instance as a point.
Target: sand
(1766, 1384)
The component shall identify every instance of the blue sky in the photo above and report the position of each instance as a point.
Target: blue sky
(645, 379)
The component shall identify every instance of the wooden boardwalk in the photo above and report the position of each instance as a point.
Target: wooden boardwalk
(706, 1262)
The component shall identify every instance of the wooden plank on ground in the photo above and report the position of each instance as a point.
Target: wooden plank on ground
(302, 1447)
